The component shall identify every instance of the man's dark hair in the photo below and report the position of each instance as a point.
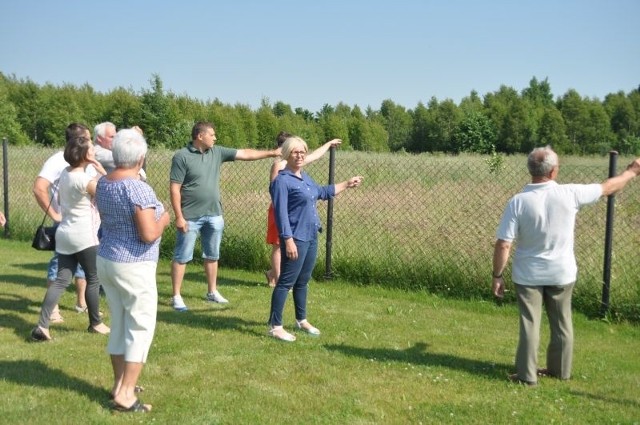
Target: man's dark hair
(281, 137)
(200, 127)
(73, 130)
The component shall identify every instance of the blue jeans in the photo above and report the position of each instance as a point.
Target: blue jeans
(294, 274)
(210, 230)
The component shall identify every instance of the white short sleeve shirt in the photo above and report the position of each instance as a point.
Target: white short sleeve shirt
(541, 219)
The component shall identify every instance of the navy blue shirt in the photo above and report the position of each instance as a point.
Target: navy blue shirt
(294, 200)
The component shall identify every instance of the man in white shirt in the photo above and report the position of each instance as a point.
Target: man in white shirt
(103, 135)
(541, 219)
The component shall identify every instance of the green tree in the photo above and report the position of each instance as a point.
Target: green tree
(623, 120)
(122, 107)
(334, 124)
(475, 133)
(26, 97)
(553, 132)
(515, 128)
(267, 124)
(9, 125)
(398, 124)
(159, 116)
(588, 126)
(471, 104)
(447, 118)
(538, 93)
(366, 135)
(59, 109)
(422, 123)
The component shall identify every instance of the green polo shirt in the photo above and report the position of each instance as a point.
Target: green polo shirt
(198, 173)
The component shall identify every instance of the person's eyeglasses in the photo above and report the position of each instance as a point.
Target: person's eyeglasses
(298, 153)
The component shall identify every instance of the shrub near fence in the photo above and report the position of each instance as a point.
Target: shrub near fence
(419, 222)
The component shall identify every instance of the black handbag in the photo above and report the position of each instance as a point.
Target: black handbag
(45, 237)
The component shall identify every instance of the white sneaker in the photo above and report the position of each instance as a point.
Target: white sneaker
(178, 304)
(216, 297)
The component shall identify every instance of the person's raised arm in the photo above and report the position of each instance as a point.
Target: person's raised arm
(318, 153)
(616, 183)
(254, 154)
(348, 184)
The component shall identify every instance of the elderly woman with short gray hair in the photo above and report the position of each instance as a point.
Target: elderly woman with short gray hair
(132, 224)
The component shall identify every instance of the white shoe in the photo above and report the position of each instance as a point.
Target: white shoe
(216, 297)
(281, 334)
(304, 325)
(178, 304)
(56, 317)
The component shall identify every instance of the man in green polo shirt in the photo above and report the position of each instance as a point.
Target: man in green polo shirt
(195, 198)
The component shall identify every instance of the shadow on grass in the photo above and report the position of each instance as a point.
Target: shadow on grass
(197, 276)
(203, 319)
(418, 355)
(34, 373)
(605, 399)
(20, 279)
(36, 267)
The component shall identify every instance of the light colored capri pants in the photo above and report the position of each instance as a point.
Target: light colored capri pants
(132, 296)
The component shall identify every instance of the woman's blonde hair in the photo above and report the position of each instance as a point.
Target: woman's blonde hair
(290, 144)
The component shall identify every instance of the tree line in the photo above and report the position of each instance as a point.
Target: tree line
(505, 121)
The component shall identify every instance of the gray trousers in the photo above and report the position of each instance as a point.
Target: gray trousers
(67, 265)
(557, 303)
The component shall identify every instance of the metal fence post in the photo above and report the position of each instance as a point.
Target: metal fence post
(5, 182)
(328, 273)
(608, 239)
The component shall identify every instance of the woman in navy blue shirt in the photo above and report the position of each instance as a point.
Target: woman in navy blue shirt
(294, 195)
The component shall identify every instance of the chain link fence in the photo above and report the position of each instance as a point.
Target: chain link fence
(418, 222)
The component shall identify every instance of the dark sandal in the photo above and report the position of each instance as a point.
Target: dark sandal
(136, 407)
(38, 336)
(137, 389)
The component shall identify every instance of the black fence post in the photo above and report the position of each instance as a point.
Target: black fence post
(328, 273)
(608, 239)
(5, 185)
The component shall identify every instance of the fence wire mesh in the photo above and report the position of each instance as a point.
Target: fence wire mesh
(418, 221)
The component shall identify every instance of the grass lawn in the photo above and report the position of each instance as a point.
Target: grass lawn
(384, 357)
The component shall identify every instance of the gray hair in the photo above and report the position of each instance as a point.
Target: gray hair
(129, 147)
(290, 144)
(101, 129)
(541, 161)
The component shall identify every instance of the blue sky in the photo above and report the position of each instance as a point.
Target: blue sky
(310, 53)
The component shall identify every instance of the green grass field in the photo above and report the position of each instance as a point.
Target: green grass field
(386, 356)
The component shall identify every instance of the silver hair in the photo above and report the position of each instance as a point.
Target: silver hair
(541, 161)
(101, 129)
(129, 147)
(290, 144)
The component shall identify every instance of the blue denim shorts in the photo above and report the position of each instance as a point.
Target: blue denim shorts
(52, 271)
(210, 230)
